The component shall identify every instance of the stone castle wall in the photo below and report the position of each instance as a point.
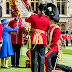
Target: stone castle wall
(24, 12)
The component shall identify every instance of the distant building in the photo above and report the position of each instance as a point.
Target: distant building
(64, 6)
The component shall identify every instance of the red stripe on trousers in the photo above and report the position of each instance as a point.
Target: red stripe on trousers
(46, 59)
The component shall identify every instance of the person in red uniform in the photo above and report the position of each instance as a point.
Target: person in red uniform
(0, 35)
(71, 38)
(16, 39)
(54, 32)
(67, 38)
(39, 25)
(53, 13)
(63, 40)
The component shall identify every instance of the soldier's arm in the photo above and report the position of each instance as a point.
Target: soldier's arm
(56, 36)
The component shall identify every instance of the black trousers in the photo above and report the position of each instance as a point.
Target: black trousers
(48, 57)
(37, 55)
(71, 42)
(62, 67)
(16, 56)
(66, 43)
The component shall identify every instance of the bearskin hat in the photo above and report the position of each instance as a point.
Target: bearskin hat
(66, 32)
(52, 12)
(42, 7)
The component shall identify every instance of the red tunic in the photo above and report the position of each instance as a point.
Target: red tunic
(55, 38)
(0, 32)
(16, 38)
(39, 21)
(67, 37)
(63, 37)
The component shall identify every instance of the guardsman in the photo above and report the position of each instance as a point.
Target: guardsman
(71, 38)
(16, 39)
(53, 35)
(54, 40)
(63, 40)
(67, 38)
(39, 25)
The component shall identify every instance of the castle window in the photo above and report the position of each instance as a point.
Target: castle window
(62, 26)
(0, 11)
(7, 7)
(62, 6)
(34, 4)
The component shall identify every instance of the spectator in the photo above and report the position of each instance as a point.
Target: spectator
(6, 49)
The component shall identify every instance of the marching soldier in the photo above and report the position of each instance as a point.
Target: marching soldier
(67, 38)
(39, 25)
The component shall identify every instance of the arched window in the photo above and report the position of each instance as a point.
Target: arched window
(62, 28)
(7, 7)
(0, 11)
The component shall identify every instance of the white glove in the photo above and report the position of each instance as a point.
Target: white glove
(30, 13)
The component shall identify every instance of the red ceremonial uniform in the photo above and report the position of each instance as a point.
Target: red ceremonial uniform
(39, 22)
(55, 38)
(67, 37)
(16, 38)
(53, 45)
(63, 37)
(0, 32)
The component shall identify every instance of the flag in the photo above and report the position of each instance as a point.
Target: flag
(15, 11)
(26, 4)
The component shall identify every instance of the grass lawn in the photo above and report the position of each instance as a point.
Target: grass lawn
(67, 60)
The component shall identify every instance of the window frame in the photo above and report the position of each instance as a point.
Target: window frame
(34, 1)
(63, 23)
(61, 6)
(6, 7)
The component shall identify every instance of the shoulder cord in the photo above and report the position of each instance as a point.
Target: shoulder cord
(51, 34)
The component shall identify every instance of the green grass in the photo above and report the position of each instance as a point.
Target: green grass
(67, 60)
(67, 51)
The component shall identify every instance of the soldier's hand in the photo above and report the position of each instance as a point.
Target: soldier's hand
(19, 24)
